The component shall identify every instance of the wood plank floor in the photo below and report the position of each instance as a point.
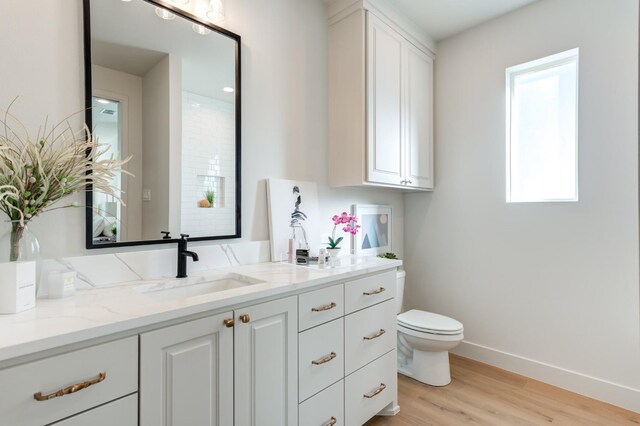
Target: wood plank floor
(484, 395)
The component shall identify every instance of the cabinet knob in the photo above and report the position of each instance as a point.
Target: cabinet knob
(244, 318)
(229, 322)
(332, 422)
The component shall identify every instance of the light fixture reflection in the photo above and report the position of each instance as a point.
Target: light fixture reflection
(216, 11)
(200, 29)
(228, 89)
(103, 101)
(164, 14)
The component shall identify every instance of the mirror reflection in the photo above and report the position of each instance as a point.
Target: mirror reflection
(164, 92)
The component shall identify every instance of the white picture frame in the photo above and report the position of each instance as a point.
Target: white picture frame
(376, 232)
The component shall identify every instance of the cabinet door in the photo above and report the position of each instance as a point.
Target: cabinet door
(266, 364)
(419, 117)
(384, 90)
(186, 374)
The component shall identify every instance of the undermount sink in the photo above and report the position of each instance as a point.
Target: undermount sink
(177, 289)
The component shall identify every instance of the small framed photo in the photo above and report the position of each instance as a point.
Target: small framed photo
(375, 233)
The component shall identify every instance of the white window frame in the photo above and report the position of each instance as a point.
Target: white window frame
(562, 58)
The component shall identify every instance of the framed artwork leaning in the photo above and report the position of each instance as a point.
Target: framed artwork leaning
(376, 229)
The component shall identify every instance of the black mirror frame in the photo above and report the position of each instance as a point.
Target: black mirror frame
(88, 120)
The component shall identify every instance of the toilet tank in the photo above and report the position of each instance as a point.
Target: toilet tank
(400, 275)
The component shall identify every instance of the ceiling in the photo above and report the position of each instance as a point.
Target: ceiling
(444, 18)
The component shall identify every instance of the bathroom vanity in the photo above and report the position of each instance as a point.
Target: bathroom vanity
(263, 344)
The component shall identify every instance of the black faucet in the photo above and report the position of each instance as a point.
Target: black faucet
(183, 253)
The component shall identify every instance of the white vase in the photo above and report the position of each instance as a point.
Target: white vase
(17, 286)
(334, 252)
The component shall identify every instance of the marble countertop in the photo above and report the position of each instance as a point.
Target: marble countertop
(102, 311)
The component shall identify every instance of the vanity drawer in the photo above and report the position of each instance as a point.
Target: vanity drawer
(325, 408)
(370, 389)
(320, 306)
(364, 292)
(321, 358)
(123, 412)
(118, 361)
(369, 333)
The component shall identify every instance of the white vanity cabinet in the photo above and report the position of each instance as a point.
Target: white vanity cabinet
(186, 373)
(240, 364)
(347, 364)
(61, 386)
(266, 364)
(381, 102)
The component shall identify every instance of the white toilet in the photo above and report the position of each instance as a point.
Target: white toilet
(424, 342)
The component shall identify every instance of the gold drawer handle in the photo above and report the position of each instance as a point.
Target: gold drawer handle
(325, 307)
(332, 422)
(375, 336)
(228, 322)
(376, 391)
(371, 293)
(324, 360)
(244, 318)
(38, 396)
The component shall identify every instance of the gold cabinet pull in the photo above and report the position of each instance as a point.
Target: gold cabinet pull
(376, 391)
(229, 322)
(245, 318)
(371, 293)
(325, 307)
(331, 422)
(38, 396)
(375, 336)
(324, 360)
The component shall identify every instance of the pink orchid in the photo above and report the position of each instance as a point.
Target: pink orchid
(350, 227)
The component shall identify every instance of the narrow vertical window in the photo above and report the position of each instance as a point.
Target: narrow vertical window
(542, 129)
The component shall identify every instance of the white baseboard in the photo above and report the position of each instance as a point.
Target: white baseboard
(582, 384)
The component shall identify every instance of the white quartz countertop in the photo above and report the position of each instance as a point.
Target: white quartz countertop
(103, 311)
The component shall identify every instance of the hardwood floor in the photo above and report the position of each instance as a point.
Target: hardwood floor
(484, 395)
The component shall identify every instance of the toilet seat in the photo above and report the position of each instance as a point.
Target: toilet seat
(428, 322)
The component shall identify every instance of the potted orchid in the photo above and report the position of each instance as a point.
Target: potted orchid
(349, 224)
(37, 173)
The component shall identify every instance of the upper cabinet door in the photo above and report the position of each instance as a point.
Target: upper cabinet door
(419, 116)
(266, 364)
(385, 98)
(186, 374)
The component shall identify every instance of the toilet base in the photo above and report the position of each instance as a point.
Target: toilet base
(431, 368)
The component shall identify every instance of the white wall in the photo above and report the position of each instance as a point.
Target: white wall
(540, 288)
(284, 114)
(156, 145)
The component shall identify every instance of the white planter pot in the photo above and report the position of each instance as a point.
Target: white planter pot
(334, 252)
(17, 286)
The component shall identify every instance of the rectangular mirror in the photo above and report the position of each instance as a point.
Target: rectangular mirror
(163, 87)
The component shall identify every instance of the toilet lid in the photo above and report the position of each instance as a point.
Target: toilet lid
(429, 322)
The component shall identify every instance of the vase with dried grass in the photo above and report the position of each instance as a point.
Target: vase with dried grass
(37, 174)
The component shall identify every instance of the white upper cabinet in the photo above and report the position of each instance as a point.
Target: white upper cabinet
(419, 118)
(385, 144)
(381, 101)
